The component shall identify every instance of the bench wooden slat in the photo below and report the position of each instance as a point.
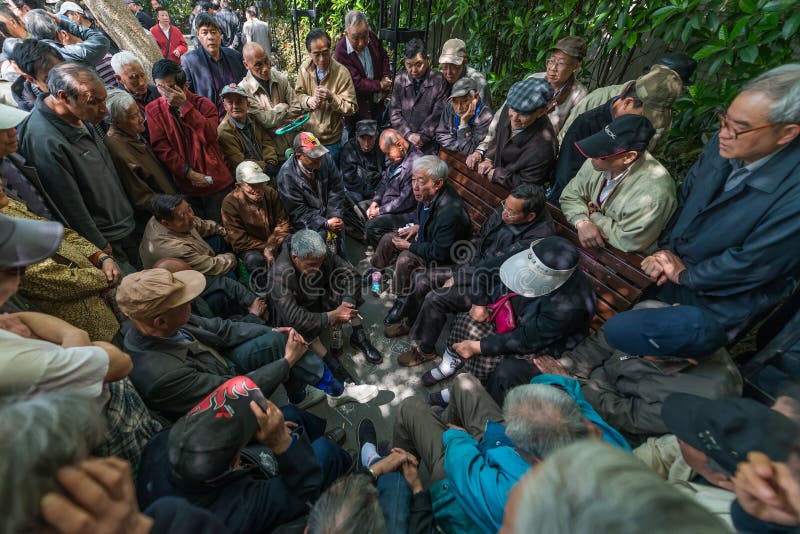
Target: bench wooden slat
(461, 181)
(493, 193)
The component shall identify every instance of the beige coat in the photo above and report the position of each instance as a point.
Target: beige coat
(262, 106)
(160, 242)
(327, 123)
(635, 212)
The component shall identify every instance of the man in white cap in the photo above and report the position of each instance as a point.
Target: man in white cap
(254, 217)
(453, 64)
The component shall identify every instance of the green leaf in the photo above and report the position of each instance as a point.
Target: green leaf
(615, 40)
(706, 51)
(748, 6)
(749, 54)
(723, 33)
(664, 11)
(713, 21)
(737, 29)
(791, 25)
(630, 42)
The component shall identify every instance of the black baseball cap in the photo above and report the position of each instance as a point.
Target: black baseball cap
(728, 429)
(203, 443)
(629, 132)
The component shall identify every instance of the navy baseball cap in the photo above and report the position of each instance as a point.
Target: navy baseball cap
(677, 331)
(728, 429)
(530, 94)
(629, 132)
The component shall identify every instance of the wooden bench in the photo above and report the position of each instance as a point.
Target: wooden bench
(616, 276)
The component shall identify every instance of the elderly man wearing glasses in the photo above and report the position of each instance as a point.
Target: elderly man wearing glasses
(732, 246)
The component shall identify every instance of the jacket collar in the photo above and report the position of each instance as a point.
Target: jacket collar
(251, 84)
(768, 177)
(71, 133)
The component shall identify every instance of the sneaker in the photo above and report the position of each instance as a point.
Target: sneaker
(414, 357)
(360, 393)
(397, 329)
(313, 396)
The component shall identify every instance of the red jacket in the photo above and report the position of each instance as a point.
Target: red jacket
(176, 43)
(199, 151)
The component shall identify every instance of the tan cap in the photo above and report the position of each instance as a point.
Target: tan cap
(454, 51)
(151, 292)
(572, 46)
(658, 90)
(251, 172)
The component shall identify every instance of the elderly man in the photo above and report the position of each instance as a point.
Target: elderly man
(393, 203)
(211, 66)
(360, 51)
(14, 27)
(75, 167)
(240, 137)
(650, 95)
(255, 222)
(273, 102)
(465, 119)
(454, 67)
(476, 452)
(174, 232)
(141, 15)
(255, 30)
(73, 41)
(139, 170)
(131, 77)
(441, 222)
(325, 89)
(566, 57)
(311, 289)
(622, 194)
(418, 98)
(183, 131)
(34, 59)
(362, 162)
(312, 191)
(169, 38)
(726, 250)
(524, 147)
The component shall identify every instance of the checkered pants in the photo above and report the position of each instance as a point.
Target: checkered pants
(481, 367)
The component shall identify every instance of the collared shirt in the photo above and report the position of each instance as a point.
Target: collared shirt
(740, 171)
(320, 74)
(609, 184)
(364, 56)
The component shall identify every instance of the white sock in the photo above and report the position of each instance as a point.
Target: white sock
(450, 364)
(368, 453)
(445, 395)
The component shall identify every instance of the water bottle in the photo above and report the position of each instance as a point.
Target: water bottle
(377, 277)
(209, 180)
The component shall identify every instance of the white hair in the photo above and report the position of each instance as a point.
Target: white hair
(354, 17)
(349, 506)
(122, 58)
(591, 486)
(782, 86)
(118, 103)
(435, 168)
(308, 244)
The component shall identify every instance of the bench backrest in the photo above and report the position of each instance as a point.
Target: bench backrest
(616, 276)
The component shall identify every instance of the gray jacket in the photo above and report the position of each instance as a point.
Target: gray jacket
(90, 52)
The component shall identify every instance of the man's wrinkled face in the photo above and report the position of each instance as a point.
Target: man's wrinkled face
(308, 267)
(15, 28)
(237, 107)
(256, 60)
(560, 67)
(417, 66)
(210, 39)
(8, 142)
(309, 163)
(395, 152)
(461, 103)
(254, 192)
(182, 219)
(133, 79)
(132, 122)
(514, 210)
(366, 142)
(320, 52)
(358, 36)
(90, 105)
(519, 121)
(424, 187)
(452, 72)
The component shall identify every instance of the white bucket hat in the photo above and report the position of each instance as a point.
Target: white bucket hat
(526, 274)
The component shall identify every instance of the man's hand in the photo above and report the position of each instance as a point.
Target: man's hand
(410, 470)
(416, 140)
(485, 166)
(221, 230)
(401, 244)
(257, 307)
(197, 179)
(373, 210)
(671, 266)
(175, 96)
(768, 490)
(468, 114)
(342, 314)
(336, 224)
(314, 103)
(100, 497)
(467, 349)
(323, 93)
(654, 269)
(480, 314)
(176, 53)
(281, 107)
(11, 323)
(473, 160)
(390, 463)
(590, 235)
(296, 347)
(449, 282)
(386, 84)
(111, 270)
(409, 233)
(273, 431)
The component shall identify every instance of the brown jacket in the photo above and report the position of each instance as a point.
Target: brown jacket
(160, 242)
(231, 140)
(250, 224)
(262, 106)
(327, 123)
(140, 172)
(419, 113)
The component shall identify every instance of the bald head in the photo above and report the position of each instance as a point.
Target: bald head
(257, 61)
(394, 145)
(173, 265)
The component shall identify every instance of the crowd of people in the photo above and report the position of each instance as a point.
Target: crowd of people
(175, 245)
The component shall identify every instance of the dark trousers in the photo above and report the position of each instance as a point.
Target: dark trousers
(510, 373)
(334, 460)
(126, 253)
(430, 316)
(254, 260)
(407, 263)
(376, 228)
(209, 207)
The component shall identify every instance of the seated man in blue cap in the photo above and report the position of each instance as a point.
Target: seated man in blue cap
(252, 465)
(524, 147)
(465, 119)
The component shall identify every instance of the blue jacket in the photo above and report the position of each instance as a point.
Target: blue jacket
(740, 248)
(206, 80)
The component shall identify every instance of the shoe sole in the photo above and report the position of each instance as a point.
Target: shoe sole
(333, 403)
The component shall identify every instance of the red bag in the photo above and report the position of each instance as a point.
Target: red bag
(503, 314)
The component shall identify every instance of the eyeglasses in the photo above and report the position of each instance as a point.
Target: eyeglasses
(557, 65)
(509, 212)
(723, 121)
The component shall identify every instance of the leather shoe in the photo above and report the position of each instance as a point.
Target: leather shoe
(360, 341)
(414, 357)
(366, 434)
(397, 329)
(396, 313)
(337, 434)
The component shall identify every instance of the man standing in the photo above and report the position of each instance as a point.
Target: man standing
(168, 37)
(418, 97)
(144, 19)
(361, 52)
(256, 30)
(453, 63)
(231, 26)
(273, 102)
(241, 138)
(325, 89)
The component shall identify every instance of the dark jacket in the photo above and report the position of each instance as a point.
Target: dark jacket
(739, 247)
(172, 377)
(570, 158)
(361, 171)
(231, 28)
(447, 224)
(77, 172)
(527, 157)
(204, 77)
(92, 48)
(29, 172)
(548, 324)
(307, 207)
(302, 303)
(365, 87)
(145, 20)
(243, 499)
(451, 136)
(394, 194)
(628, 391)
(24, 93)
(419, 112)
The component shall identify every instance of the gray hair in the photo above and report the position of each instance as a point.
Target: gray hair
(308, 244)
(541, 419)
(69, 76)
(118, 103)
(122, 58)
(349, 506)
(40, 25)
(432, 166)
(591, 486)
(354, 17)
(782, 86)
(38, 436)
